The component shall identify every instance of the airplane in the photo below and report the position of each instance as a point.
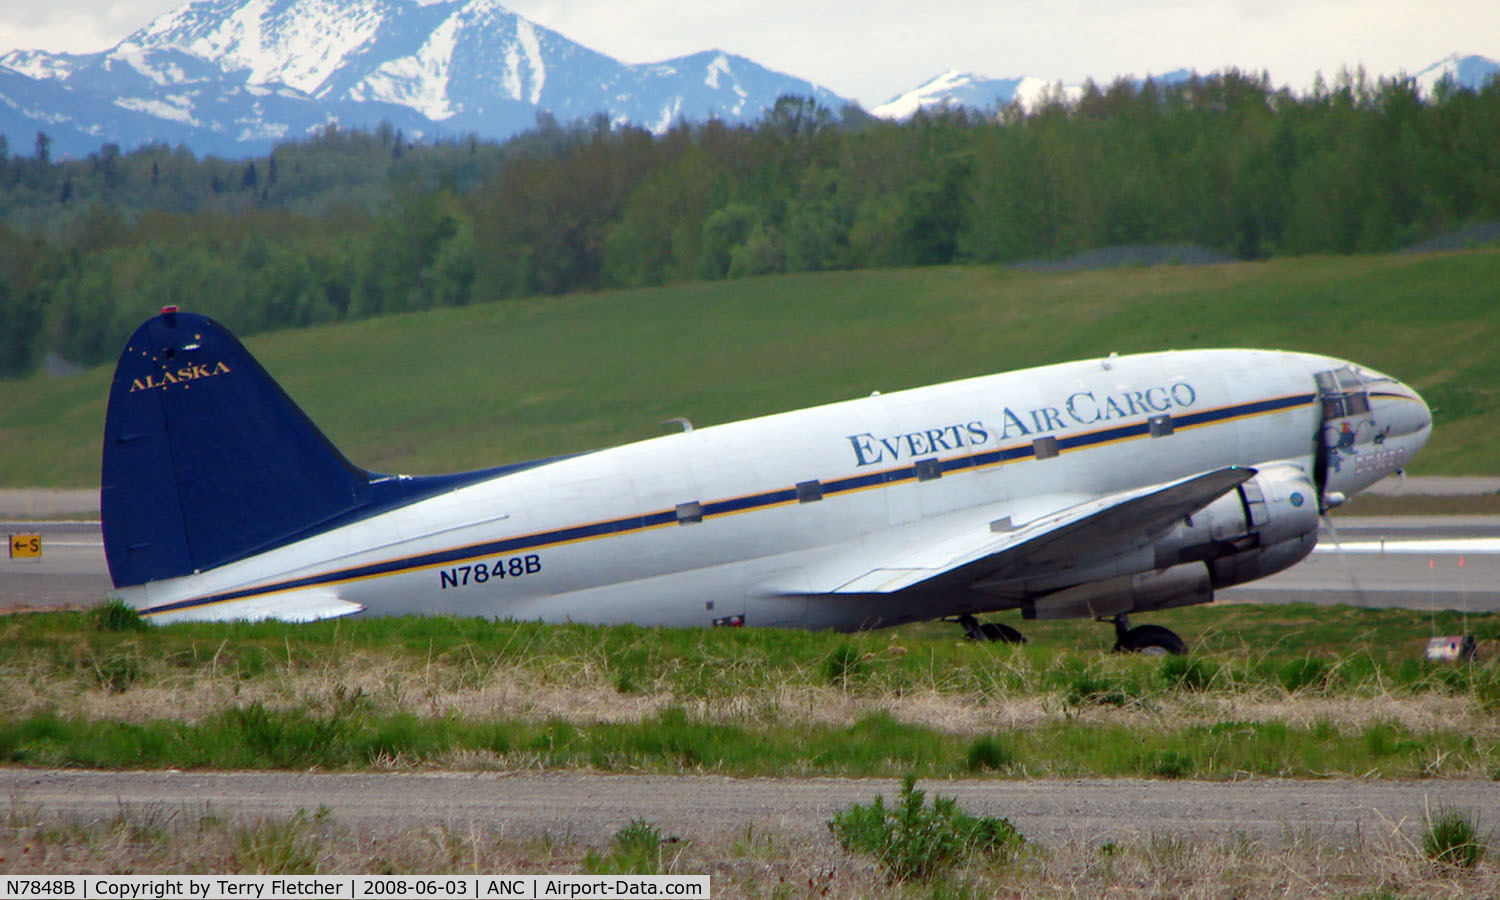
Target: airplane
(1096, 489)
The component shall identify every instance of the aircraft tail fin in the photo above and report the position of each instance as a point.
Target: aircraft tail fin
(206, 459)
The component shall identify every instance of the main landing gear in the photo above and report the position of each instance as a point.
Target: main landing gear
(1152, 640)
(989, 631)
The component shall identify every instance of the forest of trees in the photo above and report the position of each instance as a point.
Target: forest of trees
(347, 223)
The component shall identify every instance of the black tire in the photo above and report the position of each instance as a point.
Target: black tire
(1150, 639)
(1001, 633)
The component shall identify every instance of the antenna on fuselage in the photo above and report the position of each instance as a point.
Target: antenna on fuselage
(679, 420)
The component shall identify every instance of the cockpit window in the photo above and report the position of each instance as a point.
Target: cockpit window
(1343, 392)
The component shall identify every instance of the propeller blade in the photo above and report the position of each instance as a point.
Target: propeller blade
(1321, 463)
(1338, 546)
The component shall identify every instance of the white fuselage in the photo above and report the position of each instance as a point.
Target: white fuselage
(702, 526)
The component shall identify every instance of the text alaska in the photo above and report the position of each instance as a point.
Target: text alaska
(195, 372)
(1079, 408)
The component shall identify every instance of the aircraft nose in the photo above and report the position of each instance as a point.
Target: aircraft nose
(1414, 415)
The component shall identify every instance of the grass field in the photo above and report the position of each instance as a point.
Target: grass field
(1270, 691)
(456, 389)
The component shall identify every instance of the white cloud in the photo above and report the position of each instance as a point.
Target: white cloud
(79, 26)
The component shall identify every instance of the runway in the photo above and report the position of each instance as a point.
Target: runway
(1412, 562)
(70, 574)
(1415, 562)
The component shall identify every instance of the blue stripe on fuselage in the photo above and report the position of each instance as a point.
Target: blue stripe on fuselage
(732, 505)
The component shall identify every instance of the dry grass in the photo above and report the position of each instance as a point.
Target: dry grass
(748, 862)
(441, 693)
(389, 683)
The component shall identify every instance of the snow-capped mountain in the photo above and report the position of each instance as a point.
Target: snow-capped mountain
(234, 76)
(981, 93)
(955, 88)
(1466, 71)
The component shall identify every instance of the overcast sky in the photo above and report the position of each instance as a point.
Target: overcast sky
(871, 50)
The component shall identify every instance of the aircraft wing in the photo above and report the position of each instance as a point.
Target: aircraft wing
(1095, 529)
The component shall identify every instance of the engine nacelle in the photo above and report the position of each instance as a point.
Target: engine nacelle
(1253, 564)
(1267, 524)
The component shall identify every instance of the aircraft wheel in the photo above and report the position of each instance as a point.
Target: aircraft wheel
(998, 632)
(1152, 640)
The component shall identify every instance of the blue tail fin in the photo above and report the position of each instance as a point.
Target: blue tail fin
(206, 459)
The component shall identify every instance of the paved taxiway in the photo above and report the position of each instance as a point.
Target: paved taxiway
(593, 807)
(1414, 562)
(71, 571)
(1417, 562)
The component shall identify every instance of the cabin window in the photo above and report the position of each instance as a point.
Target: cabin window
(688, 513)
(929, 469)
(1044, 447)
(809, 491)
(1161, 425)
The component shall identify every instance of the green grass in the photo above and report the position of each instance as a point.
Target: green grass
(244, 738)
(1233, 644)
(465, 388)
(1452, 838)
(913, 841)
(1289, 647)
(635, 849)
(1270, 691)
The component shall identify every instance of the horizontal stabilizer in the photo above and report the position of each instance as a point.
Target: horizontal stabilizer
(289, 606)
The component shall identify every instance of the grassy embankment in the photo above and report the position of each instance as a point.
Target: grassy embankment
(1271, 691)
(465, 388)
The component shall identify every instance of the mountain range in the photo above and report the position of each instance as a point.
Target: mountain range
(979, 92)
(233, 77)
